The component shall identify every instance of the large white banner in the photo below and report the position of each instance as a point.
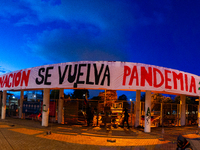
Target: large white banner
(102, 75)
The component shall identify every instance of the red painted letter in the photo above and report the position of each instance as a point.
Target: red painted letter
(10, 76)
(13, 82)
(1, 81)
(6, 81)
(186, 82)
(146, 76)
(25, 77)
(167, 79)
(134, 75)
(192, 84)
(17, 78)
(155, 71)
(127, 72)
(178, 77)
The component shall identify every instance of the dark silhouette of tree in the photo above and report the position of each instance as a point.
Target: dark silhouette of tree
(193, 100)
(96, 98)
(54, 94)
(142, 98)
(80, 94)
(122, 97)
(188, 100)
(157, 97)
(167, 100)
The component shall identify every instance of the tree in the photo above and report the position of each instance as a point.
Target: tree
(54, 94)
(177, 99)
(111, 96)
(96, 98)
(143, 98)
(188, 100)
(122, 97)
(80, 94)
(167, 100)
(193, 100)
(157, 97)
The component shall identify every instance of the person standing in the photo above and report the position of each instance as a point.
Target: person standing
(126, 115)
(89, 115)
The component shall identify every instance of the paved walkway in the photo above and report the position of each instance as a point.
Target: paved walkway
(18, 134)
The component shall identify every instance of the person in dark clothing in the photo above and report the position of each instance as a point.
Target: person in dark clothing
(125, 118)
(89, 115)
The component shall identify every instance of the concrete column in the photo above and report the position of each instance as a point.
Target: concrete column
(60, 106)
(147, 127)
(137, 108)
(3, 109)
(21, 103)
(183, 106)
(199, 113)
(45, 107)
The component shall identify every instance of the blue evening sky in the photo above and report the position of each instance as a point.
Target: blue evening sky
(38, 32)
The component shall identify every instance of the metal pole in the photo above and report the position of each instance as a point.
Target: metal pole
(177, 114)
(199, 114)
(161, 114)
(105, 99)
(131, 113)
(98, 114)
(140, 113)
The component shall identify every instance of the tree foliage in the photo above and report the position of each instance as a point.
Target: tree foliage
(188, 100)
(157, 97)
(110, 96)
(122, 97)
(79, 94)
(55, 94)
(96, 98)
(143, 98)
